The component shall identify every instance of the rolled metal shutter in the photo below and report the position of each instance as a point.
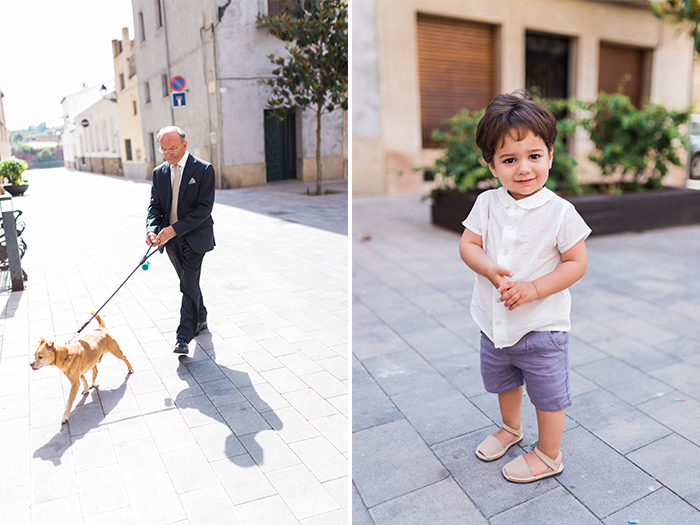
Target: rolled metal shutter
(614, 64)
(456, 69)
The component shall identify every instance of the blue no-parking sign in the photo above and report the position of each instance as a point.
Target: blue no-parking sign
(177, 83)
(179, 100)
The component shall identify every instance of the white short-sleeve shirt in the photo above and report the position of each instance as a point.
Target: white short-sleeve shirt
(527, 237)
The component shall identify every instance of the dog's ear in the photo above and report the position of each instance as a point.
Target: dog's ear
(50, 345)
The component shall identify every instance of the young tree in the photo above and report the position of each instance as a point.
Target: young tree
(681, 11)
(315, 73)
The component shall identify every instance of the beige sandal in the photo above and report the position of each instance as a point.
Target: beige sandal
(491, 448)
(518, 471)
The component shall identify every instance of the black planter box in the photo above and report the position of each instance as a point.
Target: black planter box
(604, 214)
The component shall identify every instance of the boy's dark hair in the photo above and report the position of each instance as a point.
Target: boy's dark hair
(514, 114)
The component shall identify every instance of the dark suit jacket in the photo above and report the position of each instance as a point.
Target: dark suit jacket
(195, 202)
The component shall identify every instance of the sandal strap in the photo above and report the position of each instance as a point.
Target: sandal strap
(547, 460)
(512, 430)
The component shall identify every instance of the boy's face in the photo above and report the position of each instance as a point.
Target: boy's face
(522, 166)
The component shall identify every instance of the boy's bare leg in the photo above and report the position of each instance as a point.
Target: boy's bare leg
(510, 403)
(550, 426)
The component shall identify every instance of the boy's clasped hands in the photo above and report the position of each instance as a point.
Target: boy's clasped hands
(513, 293)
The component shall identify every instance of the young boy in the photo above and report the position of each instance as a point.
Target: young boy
(527, 246)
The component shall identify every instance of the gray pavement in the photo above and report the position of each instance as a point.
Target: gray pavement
(631, 442)
(250, 428)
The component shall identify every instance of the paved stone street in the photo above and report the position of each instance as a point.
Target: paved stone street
(250, 428)
(631, 442)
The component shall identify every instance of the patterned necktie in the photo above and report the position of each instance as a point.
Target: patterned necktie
(176, 190)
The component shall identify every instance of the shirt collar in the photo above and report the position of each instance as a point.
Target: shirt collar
(528, 203)
(182, 161)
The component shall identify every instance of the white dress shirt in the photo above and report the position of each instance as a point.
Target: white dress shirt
(526, 236)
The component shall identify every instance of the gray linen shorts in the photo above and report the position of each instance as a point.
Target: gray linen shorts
(540, 360)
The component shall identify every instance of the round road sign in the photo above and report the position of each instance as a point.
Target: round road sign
(177, 83)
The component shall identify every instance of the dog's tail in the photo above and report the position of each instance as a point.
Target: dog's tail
(99, 319)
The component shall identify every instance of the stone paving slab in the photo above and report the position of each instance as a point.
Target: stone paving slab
(630, 439)
(250, 428)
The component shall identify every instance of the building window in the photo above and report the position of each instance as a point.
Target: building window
(132, 65)
(159, 15)
(122, 84)
(147, 92)
(626, 68)
(152, 145)
(275, 7)
(547, 65)
(142, 28)
(134, 104)
(455, 68)
(164, 82)
(127, 147)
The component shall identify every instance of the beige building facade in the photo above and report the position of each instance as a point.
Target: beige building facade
(416, 62)
(128, 108)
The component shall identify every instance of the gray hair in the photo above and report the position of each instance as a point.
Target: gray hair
(167, 129)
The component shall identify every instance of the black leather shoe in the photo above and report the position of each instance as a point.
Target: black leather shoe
(200, 328)
(181, 347)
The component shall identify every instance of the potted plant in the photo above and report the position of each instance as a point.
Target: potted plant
(12, 169)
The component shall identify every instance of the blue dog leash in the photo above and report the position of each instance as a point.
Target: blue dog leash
(143, 263)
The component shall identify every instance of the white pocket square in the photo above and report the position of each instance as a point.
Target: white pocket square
(192, 181)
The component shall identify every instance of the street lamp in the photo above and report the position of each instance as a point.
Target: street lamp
(103, 92)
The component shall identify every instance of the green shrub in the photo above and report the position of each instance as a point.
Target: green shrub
(45, 155)
(12, 169)
(461, 162)
(637, 144)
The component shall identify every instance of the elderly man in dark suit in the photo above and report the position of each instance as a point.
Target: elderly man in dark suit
(181, 221)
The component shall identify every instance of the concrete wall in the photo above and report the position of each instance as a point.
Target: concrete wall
(386, 99)
(187, 50)
(221, 51)
(243, 46)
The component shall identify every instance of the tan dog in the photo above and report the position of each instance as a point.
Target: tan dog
(76, 358)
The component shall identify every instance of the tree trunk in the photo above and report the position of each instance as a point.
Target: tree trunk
(319, 173)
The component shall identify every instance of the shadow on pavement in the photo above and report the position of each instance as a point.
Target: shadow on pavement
(240, 412)
(84, 417)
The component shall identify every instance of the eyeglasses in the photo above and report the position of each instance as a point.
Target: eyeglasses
(171, 150)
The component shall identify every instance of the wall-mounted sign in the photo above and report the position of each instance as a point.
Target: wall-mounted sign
(179, 99)
(85, 123)
(177, 83)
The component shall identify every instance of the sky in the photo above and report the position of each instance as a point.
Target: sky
(48, 48)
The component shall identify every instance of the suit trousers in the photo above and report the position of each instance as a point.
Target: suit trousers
(188, 266)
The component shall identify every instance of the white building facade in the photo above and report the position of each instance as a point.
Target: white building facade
(5, 149)
(82, 110)
(219, 52)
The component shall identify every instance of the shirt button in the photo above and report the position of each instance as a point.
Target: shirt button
(505, 252)
(498, 323)
(515, 206)
(509, 227)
